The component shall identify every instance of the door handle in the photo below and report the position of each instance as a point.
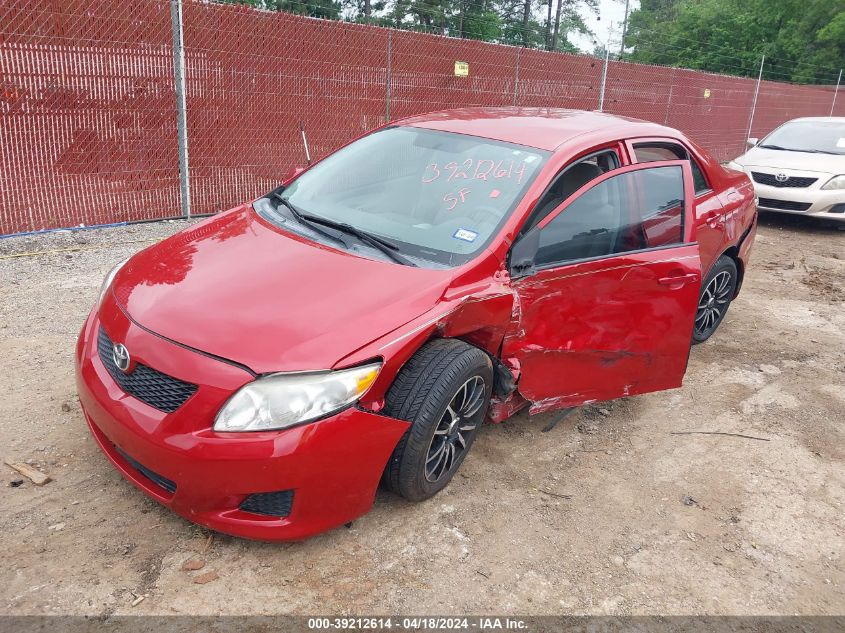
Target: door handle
(678, 281)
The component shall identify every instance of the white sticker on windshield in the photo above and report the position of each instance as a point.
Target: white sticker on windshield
(840, 142)
(465, 234)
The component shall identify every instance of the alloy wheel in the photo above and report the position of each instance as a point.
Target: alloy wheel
(449, 441)
(713, 303)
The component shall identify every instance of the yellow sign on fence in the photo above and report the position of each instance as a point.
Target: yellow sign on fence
(707, 93)
(461, 69)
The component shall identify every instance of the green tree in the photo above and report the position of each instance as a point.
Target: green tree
(543, 23)
(803, 40)
(477, 19)
(519, 24)
(529, 23)
(326, 9)
(568, 18)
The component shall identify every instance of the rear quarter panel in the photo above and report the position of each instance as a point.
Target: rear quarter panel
(735, 193)
(739, 202)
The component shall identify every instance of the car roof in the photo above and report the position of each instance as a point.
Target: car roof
(542, 128)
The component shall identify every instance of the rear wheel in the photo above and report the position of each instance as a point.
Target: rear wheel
(717, 291)
(444, 391)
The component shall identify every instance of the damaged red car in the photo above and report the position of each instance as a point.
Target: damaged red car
(262, 371)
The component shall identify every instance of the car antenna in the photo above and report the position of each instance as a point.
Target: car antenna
(305, 143)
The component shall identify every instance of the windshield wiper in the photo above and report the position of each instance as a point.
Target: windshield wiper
(385, 246)
(313, 222)
(795, 149)
(307, 221)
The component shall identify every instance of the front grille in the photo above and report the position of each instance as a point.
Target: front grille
(786, 205)
(274, 504)
(154, 477)
(158, 390)
(791, 181)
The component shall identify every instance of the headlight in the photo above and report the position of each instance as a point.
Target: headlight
(107, 281)
(837, 182)
(279, 401)
(732, 165)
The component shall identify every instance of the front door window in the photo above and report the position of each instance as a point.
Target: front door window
(633, 211)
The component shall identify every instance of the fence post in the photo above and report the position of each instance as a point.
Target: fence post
(516, 77)
(603, 78)
(389, 77)
(838, 81)
(754, 103)
(181, 114)
(669, 100)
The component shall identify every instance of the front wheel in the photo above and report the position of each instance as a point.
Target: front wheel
(717, 291)
(443, 391)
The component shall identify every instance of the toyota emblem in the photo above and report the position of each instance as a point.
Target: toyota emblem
(121, 357)
(781, 177)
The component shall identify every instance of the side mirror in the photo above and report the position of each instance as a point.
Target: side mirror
(521, 261)
(293, 173)
(752, 142)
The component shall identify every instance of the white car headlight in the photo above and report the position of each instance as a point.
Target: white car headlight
(279, 401)
(107, 281)
(732, 165)
(837, 182)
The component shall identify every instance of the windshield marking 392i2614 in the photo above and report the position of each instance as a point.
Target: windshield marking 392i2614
(416, 196)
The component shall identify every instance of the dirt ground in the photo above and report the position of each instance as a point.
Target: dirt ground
(588, 518)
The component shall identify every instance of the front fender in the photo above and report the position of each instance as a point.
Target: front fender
(480, 316)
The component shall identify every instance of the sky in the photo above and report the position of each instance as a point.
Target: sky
(608, 23)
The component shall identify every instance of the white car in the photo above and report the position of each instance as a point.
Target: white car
(799, 168)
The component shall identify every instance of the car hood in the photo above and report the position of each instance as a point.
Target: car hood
(239, 288)
(779, 159)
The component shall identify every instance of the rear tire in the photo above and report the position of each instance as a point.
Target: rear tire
(443, 391)
(717, 292)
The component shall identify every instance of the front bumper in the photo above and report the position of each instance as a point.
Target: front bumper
(332, 466)
(810, 201)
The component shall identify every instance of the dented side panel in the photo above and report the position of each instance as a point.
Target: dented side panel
(476, 308)
(481, 320)
(604, 329)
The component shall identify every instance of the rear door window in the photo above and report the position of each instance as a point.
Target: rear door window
(652, 152)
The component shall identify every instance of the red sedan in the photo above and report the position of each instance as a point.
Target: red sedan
(262, 371)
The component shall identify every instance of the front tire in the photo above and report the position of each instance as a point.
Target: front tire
(717, 292)
(443, 391)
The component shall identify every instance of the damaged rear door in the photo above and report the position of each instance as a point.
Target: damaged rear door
(608, 286)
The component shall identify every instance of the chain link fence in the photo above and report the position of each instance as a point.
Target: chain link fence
(113, 112)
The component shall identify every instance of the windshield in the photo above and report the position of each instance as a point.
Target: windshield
(436, 196)
(808, 136)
